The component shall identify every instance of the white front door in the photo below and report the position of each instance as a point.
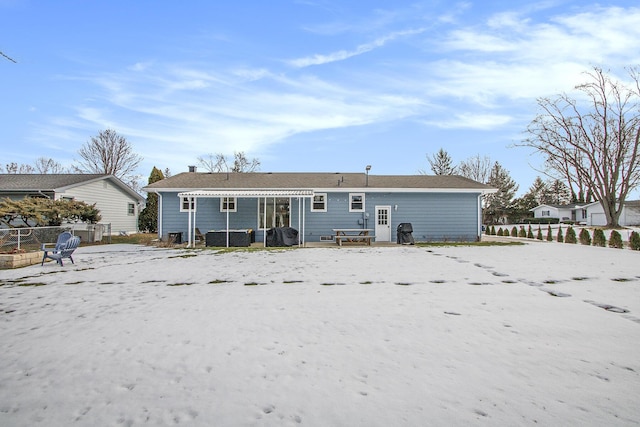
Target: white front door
(383, 223)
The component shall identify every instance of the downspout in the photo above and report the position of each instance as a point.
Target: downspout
(159, 223)
(479, 236)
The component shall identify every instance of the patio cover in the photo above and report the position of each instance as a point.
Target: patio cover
(251, 194)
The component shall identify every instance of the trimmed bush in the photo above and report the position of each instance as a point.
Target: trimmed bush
(522, 232)
(559, 237)
(585, 237)
(514, 231)
(493, 230)
(530, 233)
(505, 232)
(615, 240)
(598, 238)
(539, 236)
(499, 232)
(549, 235)
(634, 241)
(571, 236)
(487, 230)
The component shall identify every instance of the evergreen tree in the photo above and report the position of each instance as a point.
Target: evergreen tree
(598, 238)
(615, 240)
(560, 238)
(148, 219)
(571, 236)
(549, 234)
(530, 232)
(634, 241)
(441, 163)
(539, 235)
(514, 232)
(585, 237)
(522, 232)
(500, 204)
(558, 193)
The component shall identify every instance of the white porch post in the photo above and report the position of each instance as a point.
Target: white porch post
(190, 201)
(228, 219)
(264, 223)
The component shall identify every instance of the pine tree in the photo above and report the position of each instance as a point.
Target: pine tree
(530, 232)
(560, 239)
(549, 234)
(522, 232)
(441, 163)
(615, 240)
(539, 236)
(148, 219)
(514, 231)
(500, 204)
(571, 236)
(598, 238)
(585, 237)
(634, 241)
(493, 230)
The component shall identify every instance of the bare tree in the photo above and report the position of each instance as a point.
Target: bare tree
(219, 163)
(15, 168)
(48, 165)
(476, 168)
(109, 153)
(594, 141)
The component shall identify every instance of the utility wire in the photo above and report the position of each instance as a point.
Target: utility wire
(8, 57)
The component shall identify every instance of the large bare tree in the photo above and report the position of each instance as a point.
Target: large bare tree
(593, 139)
(109, 153)
(476, 168)
(219, 163)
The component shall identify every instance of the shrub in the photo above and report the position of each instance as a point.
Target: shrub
(499, 232)
(571, 236)
(549, 235)
(514, 231)
(522, 232)
(487, 230)
(530, 233)
(505, 232)
(493, 230)
(615, 240)
(539, 236)
(585, 237)
(559, 236)
(598, 237)
(634, 241)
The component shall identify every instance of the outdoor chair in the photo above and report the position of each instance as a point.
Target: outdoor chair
(63, 249)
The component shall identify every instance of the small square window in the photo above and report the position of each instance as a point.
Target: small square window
(184, 204)
(319, 203)
(131, 209)
(356, 202)
(228, 204)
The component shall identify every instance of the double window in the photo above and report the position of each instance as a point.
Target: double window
(184, 204)
(131, 209)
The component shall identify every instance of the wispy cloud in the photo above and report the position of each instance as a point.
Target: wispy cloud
(341, 55)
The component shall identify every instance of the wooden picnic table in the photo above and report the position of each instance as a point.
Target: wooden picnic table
(353, 235)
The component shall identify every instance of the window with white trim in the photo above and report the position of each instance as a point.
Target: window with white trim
(184, 204)
(319, 203)
(546, 213)
(356, 202)
(228, 204)
(131, 209)
(584, 213)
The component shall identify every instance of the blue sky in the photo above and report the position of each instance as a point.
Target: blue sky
(303, 85)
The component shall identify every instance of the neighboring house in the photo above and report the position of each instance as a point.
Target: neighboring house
(590, 214)
(438, 207)
(119, 205)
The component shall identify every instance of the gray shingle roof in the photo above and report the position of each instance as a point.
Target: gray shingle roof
(202, 180)
(43, 182)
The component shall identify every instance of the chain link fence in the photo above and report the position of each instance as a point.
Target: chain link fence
(31, 238)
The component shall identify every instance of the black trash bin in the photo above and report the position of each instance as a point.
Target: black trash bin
(405, 236)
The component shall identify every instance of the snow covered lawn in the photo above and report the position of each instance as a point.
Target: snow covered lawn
(375, 336)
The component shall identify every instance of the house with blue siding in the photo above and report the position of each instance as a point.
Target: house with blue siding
(439, 207)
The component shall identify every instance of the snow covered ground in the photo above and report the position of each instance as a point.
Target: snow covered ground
(543, 334)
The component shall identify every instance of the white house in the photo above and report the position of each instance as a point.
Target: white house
(118, 204)
(591, 214)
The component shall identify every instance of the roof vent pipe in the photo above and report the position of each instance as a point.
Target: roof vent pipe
(368, 168)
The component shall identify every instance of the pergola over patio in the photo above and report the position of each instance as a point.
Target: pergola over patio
(300, 194)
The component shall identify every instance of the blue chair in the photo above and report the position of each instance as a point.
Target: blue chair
(66, 244)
